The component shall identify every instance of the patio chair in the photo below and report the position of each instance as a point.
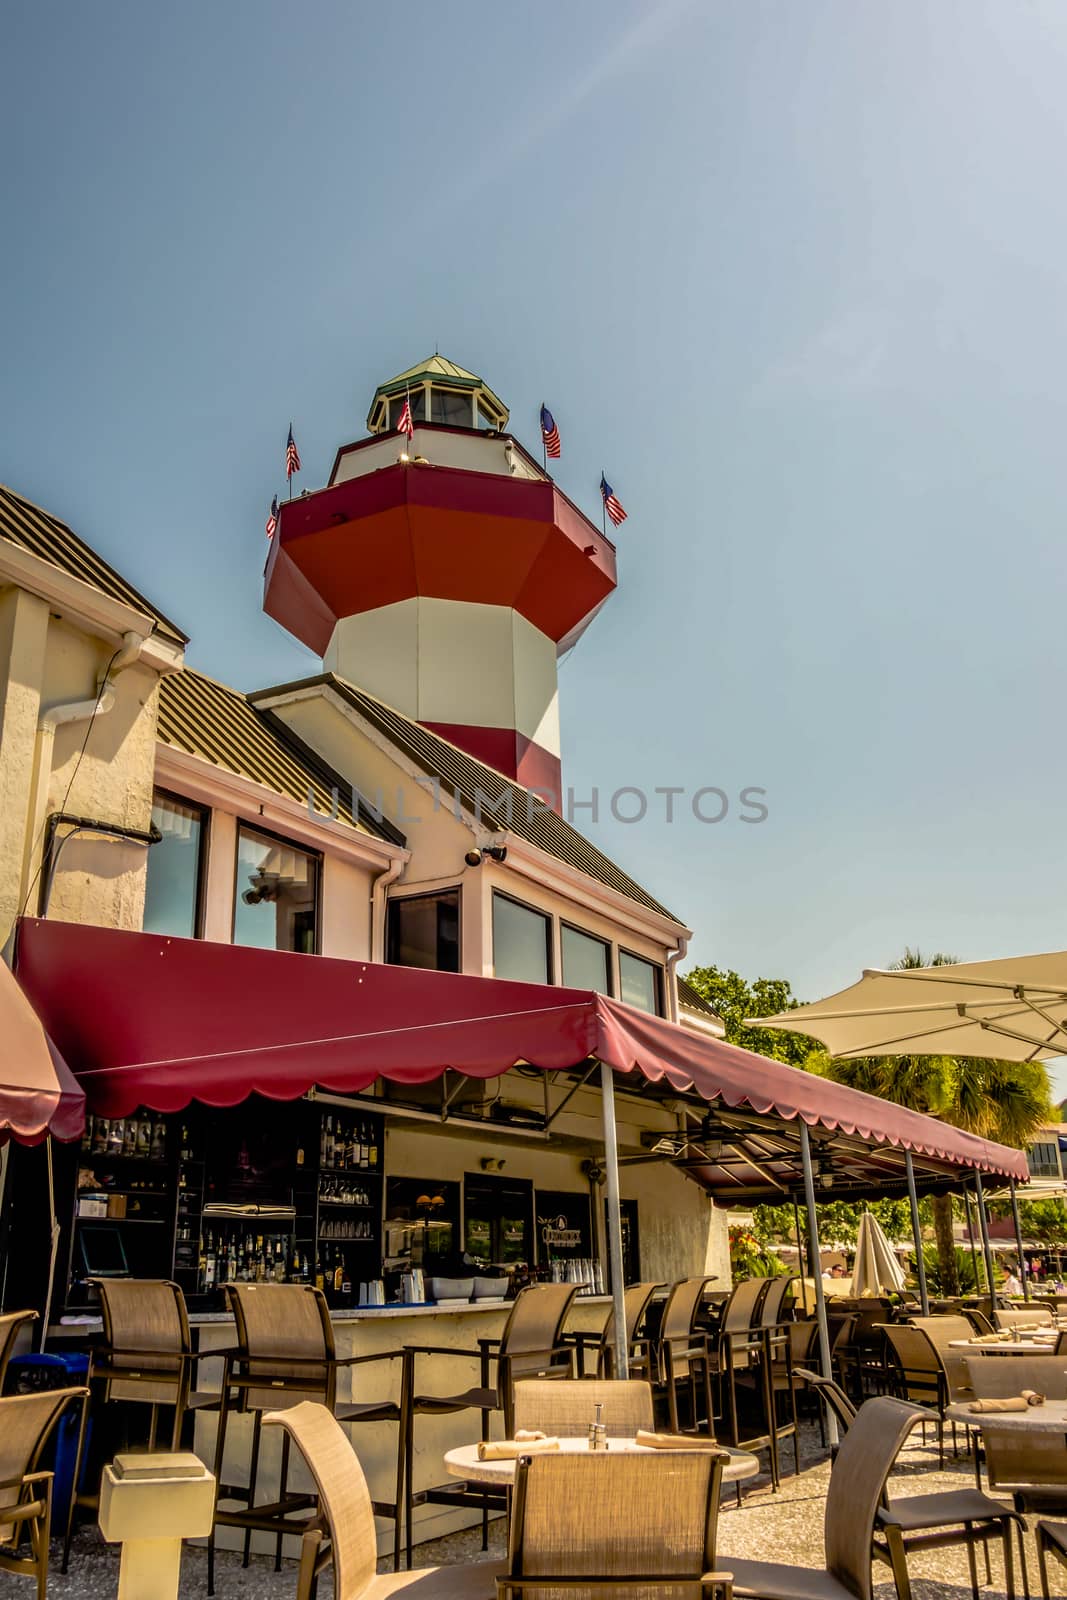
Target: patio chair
(285, 1354)
(931, 1521)
(343, 1534)
(1051, 1538)
(978, 1320)
(145, 1359)
(994, 1377)
(636, 1301)
(1032, 1317)
(589, 1523)
(918, 1373)
(566, 1409)
(682, 1354)
(11, 1326)
(531, 1346)
(1032, 1466)
(27, 1422)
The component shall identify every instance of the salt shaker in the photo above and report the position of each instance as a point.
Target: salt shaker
(598, 1433)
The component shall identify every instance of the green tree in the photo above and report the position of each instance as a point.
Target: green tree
(735, 999)
(1006, 1101)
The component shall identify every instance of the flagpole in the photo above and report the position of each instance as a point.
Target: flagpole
(544, 445)
(603, 507)
(288, 474)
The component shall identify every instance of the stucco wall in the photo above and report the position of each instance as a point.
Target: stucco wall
(23, 641)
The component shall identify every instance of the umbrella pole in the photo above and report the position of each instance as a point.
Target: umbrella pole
(920, 1264)
(1023, 1274)
(53, 1242)
(983, 1223)
(815, 1262)
(611, 1162)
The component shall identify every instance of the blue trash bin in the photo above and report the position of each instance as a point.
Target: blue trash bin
(29, 1375)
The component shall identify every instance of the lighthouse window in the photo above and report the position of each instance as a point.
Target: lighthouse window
(418, 406)
(454, 409)
(276, 899)
(586, 961)
(640, 983)
(521, 942)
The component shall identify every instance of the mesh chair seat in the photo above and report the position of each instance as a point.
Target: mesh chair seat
(915, 1512)
(433, 1583)
(476, 1399)
(776, 1581)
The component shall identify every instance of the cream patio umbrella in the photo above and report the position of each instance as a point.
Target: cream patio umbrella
(876, 1269)
(1014, 1009)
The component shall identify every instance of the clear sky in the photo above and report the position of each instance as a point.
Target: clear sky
(795, 275)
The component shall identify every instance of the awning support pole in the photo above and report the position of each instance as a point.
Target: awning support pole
(920, 1264)
(815, 1264)
(1023, 1274)
(611, 1162)
(983, 1223)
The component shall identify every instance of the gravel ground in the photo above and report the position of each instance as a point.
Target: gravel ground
(777, 1527)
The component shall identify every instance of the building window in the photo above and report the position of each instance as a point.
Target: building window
(586, 961)
(521, 942)
(276, 898)
(640, 983)
(455, 409)
(175, 868)
(422, 930)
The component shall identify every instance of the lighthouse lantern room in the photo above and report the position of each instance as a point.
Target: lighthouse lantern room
(445, 574)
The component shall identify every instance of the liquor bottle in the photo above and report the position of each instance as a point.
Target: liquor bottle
(328, 1159)
(101, 1133)
(364, 1147)
(201, 1264)
(279, 1261)
(338, 1271)
(159, 1138)
(144, 1138)
(210, 1263)
(320, 1276)
(116, 1136)
(187, 1154)
(372, 1155)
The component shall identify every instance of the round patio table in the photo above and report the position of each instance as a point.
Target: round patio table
(1049, 1418)
(462, 1462)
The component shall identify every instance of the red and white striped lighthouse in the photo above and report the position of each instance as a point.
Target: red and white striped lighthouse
(447, 574)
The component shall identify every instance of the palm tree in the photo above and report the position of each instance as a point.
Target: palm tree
(1007, 1101)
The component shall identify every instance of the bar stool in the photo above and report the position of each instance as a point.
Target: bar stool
(531, 1346)
(146, 1359)
(285, 1354)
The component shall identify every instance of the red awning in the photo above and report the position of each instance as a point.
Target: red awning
(158, 1022)
(38, 1094)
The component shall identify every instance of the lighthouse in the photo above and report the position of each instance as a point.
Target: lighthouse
(445, 574)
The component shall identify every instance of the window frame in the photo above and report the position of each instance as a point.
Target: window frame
(427, 894)
(549, 921)
(205, 813)
(657, 969)
(316, 858)
(607, 945)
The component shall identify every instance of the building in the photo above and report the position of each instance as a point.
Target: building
(402, 804)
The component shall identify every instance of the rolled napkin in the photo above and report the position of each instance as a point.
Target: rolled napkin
(511, 1449)
(675, 1441)
(1015, 1402)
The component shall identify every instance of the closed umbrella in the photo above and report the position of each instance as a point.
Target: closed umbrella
(876, 1270)
(1014, 1009)
(39, 1098)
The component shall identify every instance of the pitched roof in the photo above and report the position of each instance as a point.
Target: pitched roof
(434, 366)
(207, 719)
(483, 788)
(692, 1000)
(38, 532)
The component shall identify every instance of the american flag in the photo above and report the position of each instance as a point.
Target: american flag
(549, 433)
(405, 425)
(611, 505)
(272, 520)
(292, 455)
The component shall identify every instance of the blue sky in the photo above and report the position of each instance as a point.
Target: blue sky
(794, 275)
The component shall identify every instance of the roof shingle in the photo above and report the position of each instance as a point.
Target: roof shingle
(38, 532)
(481, 788)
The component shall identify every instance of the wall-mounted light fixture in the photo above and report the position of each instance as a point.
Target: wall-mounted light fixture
(496, 852)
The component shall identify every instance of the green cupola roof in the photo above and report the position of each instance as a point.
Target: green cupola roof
(440, 391)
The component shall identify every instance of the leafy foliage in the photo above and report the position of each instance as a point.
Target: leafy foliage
(735, 999)
(938, 1282)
